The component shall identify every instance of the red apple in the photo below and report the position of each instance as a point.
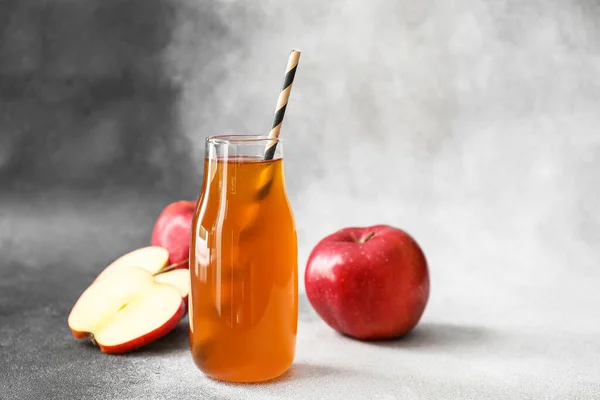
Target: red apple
(368, 283)
(173, 230)
(129, 308)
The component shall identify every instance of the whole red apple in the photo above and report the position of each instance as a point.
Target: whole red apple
(368, 283)
(173, 230)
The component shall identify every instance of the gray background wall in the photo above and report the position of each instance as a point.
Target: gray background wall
(473, 125)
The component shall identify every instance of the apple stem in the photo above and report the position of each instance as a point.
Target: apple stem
(172, 267)
(367, 238)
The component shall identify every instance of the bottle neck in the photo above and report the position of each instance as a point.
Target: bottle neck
(244, 178)
(243, 147)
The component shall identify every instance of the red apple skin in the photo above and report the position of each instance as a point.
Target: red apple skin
(143, 340)
(173, 229)
(369, 291)
(185, 305)
(80, 335)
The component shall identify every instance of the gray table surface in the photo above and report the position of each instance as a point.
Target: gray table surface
(535, 344)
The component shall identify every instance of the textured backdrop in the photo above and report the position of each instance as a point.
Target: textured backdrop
(472, 125)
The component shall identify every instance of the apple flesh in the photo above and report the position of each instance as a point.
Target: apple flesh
(151, 258)
(173, 229)
(179, 278)
(128, 308)
(368, 283)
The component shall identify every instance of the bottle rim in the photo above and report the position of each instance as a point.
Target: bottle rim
(225, 139)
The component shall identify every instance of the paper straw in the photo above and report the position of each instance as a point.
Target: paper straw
(282, 102)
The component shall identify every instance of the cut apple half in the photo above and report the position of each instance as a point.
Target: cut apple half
(151, 258)
(127, 309)
(180, 278)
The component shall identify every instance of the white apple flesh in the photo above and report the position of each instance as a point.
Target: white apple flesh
(151, 258)
(180, 278)
(128, 309)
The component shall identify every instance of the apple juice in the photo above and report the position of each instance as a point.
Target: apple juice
(243, 264)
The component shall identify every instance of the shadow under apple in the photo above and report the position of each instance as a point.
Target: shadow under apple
(174, 341)
(431, 335)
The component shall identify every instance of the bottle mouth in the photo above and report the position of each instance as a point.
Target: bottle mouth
(223, 139)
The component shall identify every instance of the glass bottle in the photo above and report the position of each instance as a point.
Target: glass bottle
(243, 304)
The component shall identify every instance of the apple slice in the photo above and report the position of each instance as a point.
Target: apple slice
(180, 278)
(151, 258)
(126, 309)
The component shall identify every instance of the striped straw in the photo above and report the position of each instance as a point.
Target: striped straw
(282, 102)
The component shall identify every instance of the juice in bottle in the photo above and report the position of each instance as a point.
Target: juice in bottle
(243, 264)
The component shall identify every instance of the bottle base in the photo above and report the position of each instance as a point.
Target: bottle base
(247, 377)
